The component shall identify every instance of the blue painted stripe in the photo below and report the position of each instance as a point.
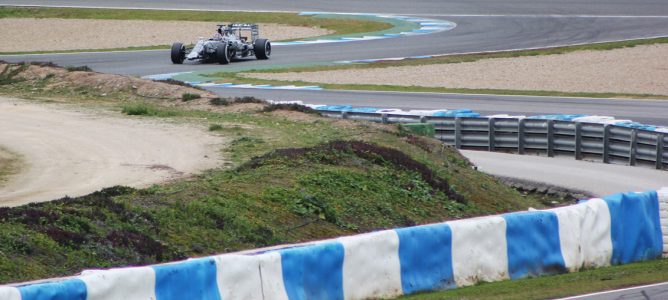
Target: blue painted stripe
(533, 244)
(424, 30)
(72, 289)
(313, 272)
(425, 254)
(192, 279)
(636, 228)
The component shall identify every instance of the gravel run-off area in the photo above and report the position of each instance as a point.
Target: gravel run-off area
(73, 152)
(638, 70)
(23, 35)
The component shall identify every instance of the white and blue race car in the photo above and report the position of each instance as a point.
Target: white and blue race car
(227, 44)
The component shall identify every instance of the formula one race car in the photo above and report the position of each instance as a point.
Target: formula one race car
(227, 44)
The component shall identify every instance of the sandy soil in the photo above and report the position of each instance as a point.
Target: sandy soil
(67, 152)
(21, 35)
(638, 70)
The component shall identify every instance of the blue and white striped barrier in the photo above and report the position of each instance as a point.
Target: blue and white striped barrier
(617, 229)
(467, 113)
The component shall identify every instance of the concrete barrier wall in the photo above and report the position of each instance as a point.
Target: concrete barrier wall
(617, 229)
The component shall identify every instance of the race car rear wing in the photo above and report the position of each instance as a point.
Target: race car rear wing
(254, 29)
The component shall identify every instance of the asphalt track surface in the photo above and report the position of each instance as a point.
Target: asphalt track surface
(647, 292)
(514, 7)
(483, 25)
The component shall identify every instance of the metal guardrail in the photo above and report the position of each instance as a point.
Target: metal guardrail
(583, 141)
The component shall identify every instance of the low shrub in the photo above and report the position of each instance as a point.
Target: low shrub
(219, 101)
(78, 68)
(189, 96)
(215, 127)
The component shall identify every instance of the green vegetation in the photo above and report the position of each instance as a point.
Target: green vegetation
(219, 102)
(339, 26)
(215, 127)
(146, 109)
(8, 76)
(284, 185)
(288, 195)
(10, 163)
(189, 96)
(557, 286)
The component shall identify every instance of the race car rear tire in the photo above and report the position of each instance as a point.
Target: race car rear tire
(178, 53)
(262, 48)
(222, 54)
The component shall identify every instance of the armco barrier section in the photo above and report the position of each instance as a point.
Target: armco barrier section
(617, 229)
(581, 140)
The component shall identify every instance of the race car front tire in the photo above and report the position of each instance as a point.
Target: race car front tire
(262, 48)
(222, 54)
(178, 53)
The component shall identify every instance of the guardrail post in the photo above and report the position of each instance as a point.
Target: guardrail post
(633, 145)
(383, 118)
(659, 151)
(458, 133)
(490, 135)
(550, 138)
(578, 141)
(606, 144)
(520, 136)
(344, 115)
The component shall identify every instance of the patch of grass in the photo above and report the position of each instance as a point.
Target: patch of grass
(248, 99)
(215, 127)
(189, 96)
(557, 286)
(8, 74)
(219, 102)
(147, 109)
(337, 25)
(10, 163)
(79, 68)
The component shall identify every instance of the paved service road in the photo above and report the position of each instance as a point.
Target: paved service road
(648, 111)
(610, 178)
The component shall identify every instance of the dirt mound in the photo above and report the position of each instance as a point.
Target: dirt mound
(54, 77)
(368, 151)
